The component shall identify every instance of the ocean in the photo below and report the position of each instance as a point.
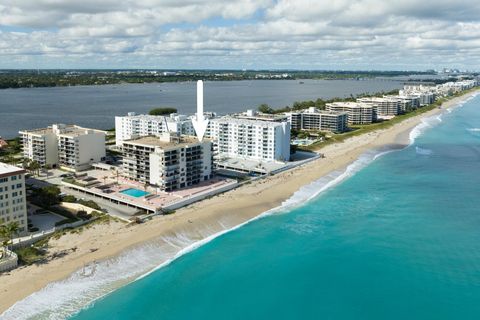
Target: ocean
(97, 106)
(394, 236)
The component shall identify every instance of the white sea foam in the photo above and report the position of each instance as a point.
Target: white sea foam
(423, 151)
(61, 299)
(432, 121)
(420, 128)
(473, 129)
(313, 189)
(462, 103)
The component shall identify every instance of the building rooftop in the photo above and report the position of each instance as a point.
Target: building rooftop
(6, 169)
(403, 97)
(252, 122)
(313, 110)
(69, 130)
(254, 115)
(40, 131)
(171, 116)
(377, 99)
(349, 104)
(163, 142)
(76, 131)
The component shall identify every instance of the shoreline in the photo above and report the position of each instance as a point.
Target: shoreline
(206, 218)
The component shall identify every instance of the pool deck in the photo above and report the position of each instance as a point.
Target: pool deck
(110, 187)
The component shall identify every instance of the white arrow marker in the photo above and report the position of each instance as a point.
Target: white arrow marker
(200, 123)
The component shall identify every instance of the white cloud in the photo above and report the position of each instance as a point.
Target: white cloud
(261, 33)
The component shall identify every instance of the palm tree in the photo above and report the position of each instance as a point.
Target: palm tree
(26, 163)
(35, 167)
(116, 173)
(7, 232)
(9, 159)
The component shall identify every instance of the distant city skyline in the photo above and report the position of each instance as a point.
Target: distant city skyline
(243, 34)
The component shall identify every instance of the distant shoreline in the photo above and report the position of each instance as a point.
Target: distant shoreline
(12, 79)
(122, 83)
(208, 217)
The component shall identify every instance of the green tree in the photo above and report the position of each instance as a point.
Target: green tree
(35, 167)
(48, 196)
(265, 108)
(320, 104)
(162, 111)
(7, 232)
(69, 198)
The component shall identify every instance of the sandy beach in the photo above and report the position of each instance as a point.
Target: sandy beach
(207, 217)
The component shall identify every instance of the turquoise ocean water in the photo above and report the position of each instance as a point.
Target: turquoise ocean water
(399, 239)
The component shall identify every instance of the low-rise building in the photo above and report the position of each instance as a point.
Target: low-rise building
(407, 102)
(13, 203)
(383, 106)
(357, 113)
(169, 162)
(318, 120)
(68, 146)
(450, 88)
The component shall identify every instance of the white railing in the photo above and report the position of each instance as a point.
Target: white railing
(34, 237)
(8, 260)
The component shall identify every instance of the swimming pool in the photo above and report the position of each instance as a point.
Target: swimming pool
(132, 192)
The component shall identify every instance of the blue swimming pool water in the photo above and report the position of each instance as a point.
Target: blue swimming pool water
(132, 192)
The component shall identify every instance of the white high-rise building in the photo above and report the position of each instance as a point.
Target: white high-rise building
(169, 162)
(68, 146)
(40, 145)
(250, 139)
(13, 203)
(134, 126)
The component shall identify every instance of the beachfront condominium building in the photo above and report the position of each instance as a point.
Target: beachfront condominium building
(449, 88)
(169, 161)
(318, 120)
(40, 145)
(260, 140)
(260, 116)
(357, 113)
(13, 203)
(407, 102)
(424, 98)
(383, 107)
(134, 126)
(425, 93)
(68, 146)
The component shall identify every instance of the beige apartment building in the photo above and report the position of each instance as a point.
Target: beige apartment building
(13, 203)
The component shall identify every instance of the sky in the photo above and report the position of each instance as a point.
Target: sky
(240, 34)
